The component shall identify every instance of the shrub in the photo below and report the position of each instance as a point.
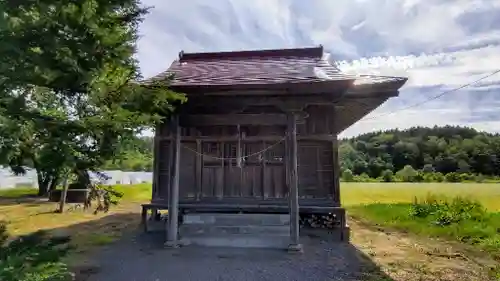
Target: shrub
(419, 177)
(479, 178)
(34, 257)
(452, 177)
(443, 212)
(438, 177)
(466, 177)
(428, 168)
(347, 175)
(407, 174)
(363, 178)
(387, 176)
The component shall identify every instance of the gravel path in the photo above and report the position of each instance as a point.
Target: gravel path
(142, 258)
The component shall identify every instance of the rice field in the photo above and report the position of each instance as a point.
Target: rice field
(386, 193)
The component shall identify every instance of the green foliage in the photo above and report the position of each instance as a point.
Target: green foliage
(363, 178)
(104, 197)
(137, 156)
(442, 212)
(439, 149)
(387, 176)
(34, 257)
(407, 174)
(71, 95)
(428, 168)
(347, 175)
(452, 177)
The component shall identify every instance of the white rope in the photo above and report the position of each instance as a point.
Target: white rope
(236, 158)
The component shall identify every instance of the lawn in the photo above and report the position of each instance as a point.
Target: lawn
(25, 215)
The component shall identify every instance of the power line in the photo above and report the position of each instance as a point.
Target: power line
(434, 97)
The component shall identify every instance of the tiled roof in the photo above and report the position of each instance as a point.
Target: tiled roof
(303, 65)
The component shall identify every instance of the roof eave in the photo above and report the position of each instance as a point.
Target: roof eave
(299, 87)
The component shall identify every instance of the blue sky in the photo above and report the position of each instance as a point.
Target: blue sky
(438, 44)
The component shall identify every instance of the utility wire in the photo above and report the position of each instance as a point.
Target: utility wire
(433, 98)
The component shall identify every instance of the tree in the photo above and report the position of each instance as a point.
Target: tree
(347, 175)
(439, 149)
(70, 87)
(407, 174)
(387, 176)
(428, 168)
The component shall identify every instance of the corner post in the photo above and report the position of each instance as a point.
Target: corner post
(173, 202)
(293, 196)
(156, 162)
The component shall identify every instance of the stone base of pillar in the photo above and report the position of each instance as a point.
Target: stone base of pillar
(172, 244)
(295, 248)
(177, 244)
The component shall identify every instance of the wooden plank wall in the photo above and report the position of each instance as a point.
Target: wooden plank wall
(262, 176)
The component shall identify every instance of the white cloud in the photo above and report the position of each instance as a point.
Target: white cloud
(438, 44)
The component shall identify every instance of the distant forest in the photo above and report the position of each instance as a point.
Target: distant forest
(441, 150)
(138, 156)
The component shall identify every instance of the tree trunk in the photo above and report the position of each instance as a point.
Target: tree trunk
(47, 181)
(43, 184)
(53, 183)
(64, 193)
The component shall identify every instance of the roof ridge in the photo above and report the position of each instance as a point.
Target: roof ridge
(291, 52)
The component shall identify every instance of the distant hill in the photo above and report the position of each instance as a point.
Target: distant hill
(441, 149)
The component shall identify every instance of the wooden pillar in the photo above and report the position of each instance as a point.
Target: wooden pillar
(336, 172)
(335, 157)
(173, 199)
(293, 193)
(156, 163)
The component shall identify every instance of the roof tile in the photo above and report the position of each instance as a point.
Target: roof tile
(306, 65)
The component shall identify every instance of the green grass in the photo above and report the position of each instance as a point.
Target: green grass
(136, 192)
(18, 192)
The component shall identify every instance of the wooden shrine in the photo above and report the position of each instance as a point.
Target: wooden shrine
(258, 133)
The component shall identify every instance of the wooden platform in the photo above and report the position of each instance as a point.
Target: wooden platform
(258, 209)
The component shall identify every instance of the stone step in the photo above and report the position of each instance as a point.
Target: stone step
(239, 241)
(210, 229)
(237, 219)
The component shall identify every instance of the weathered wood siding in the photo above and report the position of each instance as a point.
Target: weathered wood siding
(206, 173)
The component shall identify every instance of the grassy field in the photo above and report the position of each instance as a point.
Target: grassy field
(353, 194)
(385, 204)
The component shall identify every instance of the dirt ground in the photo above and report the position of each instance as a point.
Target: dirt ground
(406, 257)
(373, 255)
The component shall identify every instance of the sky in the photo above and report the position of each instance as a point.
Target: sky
(439, 45)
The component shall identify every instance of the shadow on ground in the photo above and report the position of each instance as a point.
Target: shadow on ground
(28, 199)
(114, 248)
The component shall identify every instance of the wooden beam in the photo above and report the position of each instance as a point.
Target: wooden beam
(173, 206)
(325, 138)
(293, 194)
(249, 100)
(267, 119)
